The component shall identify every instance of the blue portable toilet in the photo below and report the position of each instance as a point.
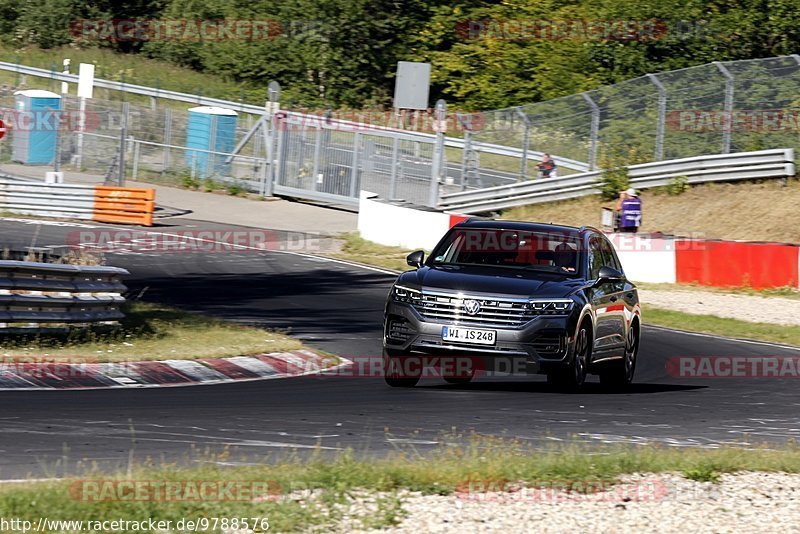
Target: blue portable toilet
(210, 128)
(36, 126)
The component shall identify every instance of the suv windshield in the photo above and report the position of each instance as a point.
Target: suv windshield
(555, 252)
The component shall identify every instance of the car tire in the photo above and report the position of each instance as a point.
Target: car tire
(460, 380)
(619, 375)
(573, 376)
(393, 372)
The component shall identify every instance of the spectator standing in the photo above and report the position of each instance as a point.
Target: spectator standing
(547, 167)
(630, 210)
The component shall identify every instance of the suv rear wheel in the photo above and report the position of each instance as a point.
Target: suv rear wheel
(620, 374)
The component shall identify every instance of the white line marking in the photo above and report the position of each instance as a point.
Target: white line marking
(713, 336)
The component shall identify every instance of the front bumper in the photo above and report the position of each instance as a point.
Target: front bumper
(542, 343)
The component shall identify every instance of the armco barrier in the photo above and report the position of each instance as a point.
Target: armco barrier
(76, 201)
(40, 295)
(774, 163)
(645, 258)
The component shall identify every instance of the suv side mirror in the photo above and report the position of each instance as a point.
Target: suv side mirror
(416, 258)
(609, 274)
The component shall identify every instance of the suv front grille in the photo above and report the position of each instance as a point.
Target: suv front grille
(493, 312)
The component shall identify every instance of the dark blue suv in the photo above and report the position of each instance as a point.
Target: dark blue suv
(514, 296)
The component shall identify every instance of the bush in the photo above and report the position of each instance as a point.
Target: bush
(677, 185)
(234, 189)
(614, 162)
(613, 181)
(188, 182)
(210, 185)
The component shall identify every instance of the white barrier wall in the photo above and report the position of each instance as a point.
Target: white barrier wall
(400, 226)
(646, 259)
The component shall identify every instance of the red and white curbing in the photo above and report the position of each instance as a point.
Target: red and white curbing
(26, 375)
(645, 257)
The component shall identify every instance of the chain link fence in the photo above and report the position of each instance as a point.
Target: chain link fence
(716, 108)
(711, 109)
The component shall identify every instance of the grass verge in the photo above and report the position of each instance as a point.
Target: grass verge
(151, 332)
(722, 326)
(315, 492)
(708, 210)
(358, 249)
(783, 292)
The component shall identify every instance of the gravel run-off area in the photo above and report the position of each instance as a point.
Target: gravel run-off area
(738, 503)
(753, 308)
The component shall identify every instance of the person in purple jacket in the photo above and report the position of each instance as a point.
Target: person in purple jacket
(630, 210)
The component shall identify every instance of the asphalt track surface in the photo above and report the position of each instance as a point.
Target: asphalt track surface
(337, 308)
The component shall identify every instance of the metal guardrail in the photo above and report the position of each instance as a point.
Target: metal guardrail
(45, 295)
(72, 201)
(775, 163)
(78, 201)
(453, 142)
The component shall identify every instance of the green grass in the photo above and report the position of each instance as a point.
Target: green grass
(314, 492)
(784, 292)
(150, 332)
(710, 324)
(358, 249)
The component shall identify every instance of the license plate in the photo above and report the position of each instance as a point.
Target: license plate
(469, 335)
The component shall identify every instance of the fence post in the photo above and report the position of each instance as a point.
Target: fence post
(354, 174)
(317, 149)
(594, 130)
(395, 164)
(81, 129)
(123, 133)
(212, 156)
(662, 115)
(136, 150)
(437, 166)
(469, 163)
(726, 128)
(167, 139)
(526, 138)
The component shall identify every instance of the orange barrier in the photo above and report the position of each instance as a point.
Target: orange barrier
(127, 205)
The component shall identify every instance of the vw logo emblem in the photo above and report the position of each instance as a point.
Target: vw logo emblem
(472, 306)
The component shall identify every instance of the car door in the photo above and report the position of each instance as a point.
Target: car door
(600, 297)
(616, 307)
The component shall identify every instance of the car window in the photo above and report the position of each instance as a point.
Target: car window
(609, 256)
(554, 252)
(596, 260)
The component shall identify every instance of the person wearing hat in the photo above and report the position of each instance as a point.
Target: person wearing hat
(630, 210)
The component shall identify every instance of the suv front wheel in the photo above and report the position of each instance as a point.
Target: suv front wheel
(395, 371)
(573, 376)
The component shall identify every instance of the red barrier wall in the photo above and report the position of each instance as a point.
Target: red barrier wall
(728, 263)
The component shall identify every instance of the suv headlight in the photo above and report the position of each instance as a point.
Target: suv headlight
(549, 306)
(405, 294)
